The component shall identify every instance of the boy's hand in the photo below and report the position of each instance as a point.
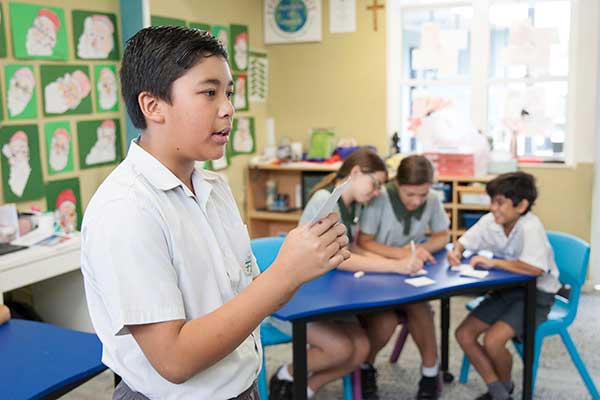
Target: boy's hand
(424, 255)
(454, 258)
(409, 265)
(481, 261)
(311, 250)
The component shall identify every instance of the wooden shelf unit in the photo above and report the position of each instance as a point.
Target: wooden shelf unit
(265, 223)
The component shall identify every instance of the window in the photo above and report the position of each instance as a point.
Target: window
(500, 66)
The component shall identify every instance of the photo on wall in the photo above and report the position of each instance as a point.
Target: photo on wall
(238, 57)
(21, 167)
(59, 146)
(107, 90)
(240, 92)
(2, 34)
(242, 136)
(95, 35)
(66, 89)
(64, 199)
(21, 97)
(99, 142)
(38, 32)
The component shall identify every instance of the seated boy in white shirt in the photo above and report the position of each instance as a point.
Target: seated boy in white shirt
(519, 243)
(170, 279)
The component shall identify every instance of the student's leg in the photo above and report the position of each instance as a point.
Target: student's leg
(380, 327)
(466, 335)
(494, 343)
(422, 330)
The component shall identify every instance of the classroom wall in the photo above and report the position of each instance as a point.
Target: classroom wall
(340, 83)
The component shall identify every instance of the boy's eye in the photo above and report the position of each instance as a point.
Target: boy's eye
(210, 93)
(229, 94)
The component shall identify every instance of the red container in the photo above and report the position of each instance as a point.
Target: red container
(453, 164)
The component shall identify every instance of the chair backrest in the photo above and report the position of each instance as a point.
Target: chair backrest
(572, 256)
(265, 250)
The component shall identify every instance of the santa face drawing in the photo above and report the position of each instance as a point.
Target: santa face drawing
(59, 149)
(66, 212)
(17, 153)
(107, 89)
(20, 90)
(66, 93)
(239, 99)
(222, 36)
(41, 37)
(97, 38)
(104, 149)
(240, 51)
(242, 141)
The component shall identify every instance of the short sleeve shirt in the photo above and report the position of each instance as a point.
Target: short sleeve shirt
(378, 219)
(152, 251)
(527, 242)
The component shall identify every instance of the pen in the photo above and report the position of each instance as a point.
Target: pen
(413, 249)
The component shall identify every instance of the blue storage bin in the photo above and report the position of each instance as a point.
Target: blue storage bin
(444, 190)
(470, 218)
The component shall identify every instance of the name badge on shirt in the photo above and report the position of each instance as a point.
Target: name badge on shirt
(248, 265)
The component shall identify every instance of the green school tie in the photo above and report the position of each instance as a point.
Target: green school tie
(402, 214)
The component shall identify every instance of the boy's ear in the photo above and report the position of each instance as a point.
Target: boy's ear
(150, 106)
(522, 206)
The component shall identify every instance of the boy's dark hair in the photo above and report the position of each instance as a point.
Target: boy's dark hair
(515, 186)
(414, 170)
(157, 56)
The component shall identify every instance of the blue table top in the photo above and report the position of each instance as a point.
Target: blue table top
(339, 291)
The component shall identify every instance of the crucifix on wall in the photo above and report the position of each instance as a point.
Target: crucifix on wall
(375, 7)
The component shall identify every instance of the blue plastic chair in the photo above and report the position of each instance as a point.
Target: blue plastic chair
(265, 250)
(40, 360)
(571, 255)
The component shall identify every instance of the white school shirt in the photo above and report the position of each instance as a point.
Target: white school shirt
(527, 242)
(153, 252)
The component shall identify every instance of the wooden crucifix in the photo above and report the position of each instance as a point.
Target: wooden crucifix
(375, 7)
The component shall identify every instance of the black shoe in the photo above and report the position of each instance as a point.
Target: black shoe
(485, 396)
(368, 383)
(280, 389)
(428, 388)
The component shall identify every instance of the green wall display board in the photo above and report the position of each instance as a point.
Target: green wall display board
(95, 35)
(243, 139)
(157, 20)
(2, 34)
(66, 89)
(99, 142)
(38, 32)
(200, 25)
(64, 198)
(59, 146)
(21, 168)
(238, 57)
(21, 93)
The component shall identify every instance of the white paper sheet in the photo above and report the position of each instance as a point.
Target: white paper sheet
(329, 205)
(342, 16)
(420, 281)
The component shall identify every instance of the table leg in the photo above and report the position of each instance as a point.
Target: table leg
(529, 337)
(299, 351)
(445, 327)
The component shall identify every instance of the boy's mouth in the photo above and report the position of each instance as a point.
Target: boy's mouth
(221, 136)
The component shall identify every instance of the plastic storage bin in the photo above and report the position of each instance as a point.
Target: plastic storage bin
(470, 218)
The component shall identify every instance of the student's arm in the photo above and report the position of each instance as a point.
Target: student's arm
(371, 262)
(4, 314)
(436, 241)
(369, 243)
(180, 349)
(516, 266)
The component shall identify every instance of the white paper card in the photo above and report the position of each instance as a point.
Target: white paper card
(420, 272)
(475, 273)
(342, 16)
(329, 205)
(420, 281)
(461, 268)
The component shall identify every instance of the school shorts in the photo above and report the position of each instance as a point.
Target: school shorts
(509, 305)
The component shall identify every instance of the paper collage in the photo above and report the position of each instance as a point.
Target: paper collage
(287, 21)
(242, 139)
(38, 32)
(240, 92)
(95, 35)
(221, 32)
(21, 168)
(66, 89)
(99, 142)
(21, 98)
(64, 198)
(238, 56)
(529, 46)
(439, 49)
(107, 89)
(59, 146)
(258, 77)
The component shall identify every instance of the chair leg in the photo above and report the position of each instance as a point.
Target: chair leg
(579, 364)
(464, 370)
(399, 344)
(356, 384)
(262, 381)
(347, 383)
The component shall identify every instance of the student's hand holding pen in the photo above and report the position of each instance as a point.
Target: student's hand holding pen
(409, 265)
(311, 250)
(454, 257)
(421, 253)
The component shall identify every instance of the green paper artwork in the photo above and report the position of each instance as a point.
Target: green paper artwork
(221, 32)
(99, 142)
(221, 163)
(200, 25)
(242, 139)
(21, 93)
(38, 32)
(66, 89)
(21, 168)
(240, 92)
(2, 35)
(95, 35)
(258, 77)
(1, 112)
(59, 146)
(107, 97)
(157, 20)
(64, 199)
(238, 57)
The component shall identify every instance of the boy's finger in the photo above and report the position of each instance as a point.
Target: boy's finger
(324, 224)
